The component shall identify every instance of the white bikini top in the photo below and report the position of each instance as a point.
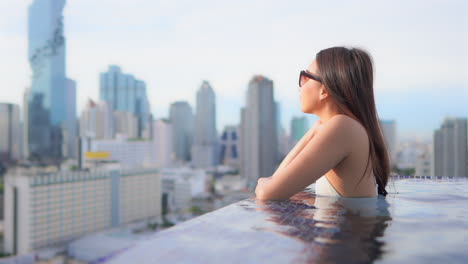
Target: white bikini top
(324, 188)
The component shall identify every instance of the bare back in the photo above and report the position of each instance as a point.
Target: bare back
(348, 177)
(336, 148)
(348, 172)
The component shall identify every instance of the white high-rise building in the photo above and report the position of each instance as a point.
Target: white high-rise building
(97, 121)
(450, 149)
(128, 153)
(390, 137)
(10, 136)
(176, 196)
(181, 117)
(126, 124)
(204, 148)
(162, 138)
(259, 142)
(423, 164)
(46, 209)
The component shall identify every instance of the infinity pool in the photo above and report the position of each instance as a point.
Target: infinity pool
(420, 221)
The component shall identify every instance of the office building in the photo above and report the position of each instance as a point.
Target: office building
(181, 118)
(71, 123)
(51, 96)
(97, 121)
(124, 93)
(126, 124)
(10, 136)
(205, 143)
(127, 153)
(258, 131)
(47, 209)
(450, 148)
(163, 140)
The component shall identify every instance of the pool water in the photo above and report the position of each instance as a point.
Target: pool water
(419, 221)
(429, 221)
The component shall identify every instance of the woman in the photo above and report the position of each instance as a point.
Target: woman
(344, 152)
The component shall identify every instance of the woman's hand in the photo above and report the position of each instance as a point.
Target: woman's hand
(261, 183)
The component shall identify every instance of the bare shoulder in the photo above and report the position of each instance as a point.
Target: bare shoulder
(345, 122)
(345, 127)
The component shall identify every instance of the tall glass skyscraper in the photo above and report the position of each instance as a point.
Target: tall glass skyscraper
(123, 92)
(181, 117)
(50, 93)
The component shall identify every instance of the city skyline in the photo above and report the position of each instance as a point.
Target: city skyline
(154, 47)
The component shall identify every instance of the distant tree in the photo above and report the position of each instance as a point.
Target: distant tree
(404, 171)
(167, 223)
(196, 210)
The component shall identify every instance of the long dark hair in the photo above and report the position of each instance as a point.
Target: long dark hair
(348, 76)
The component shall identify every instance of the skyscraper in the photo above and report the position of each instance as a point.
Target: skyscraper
(181, 117)
(258, 131)
(50, 94)
(205, 141)
(280, 133)
(126, 124)
(450, 148)
(72, 120)
(299, 126)
(10, 137)
(97, 121)
(124, 93)
(162, 137)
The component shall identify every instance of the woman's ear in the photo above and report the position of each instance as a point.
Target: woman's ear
(323, 93)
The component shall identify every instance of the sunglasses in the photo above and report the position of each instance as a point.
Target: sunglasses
(305, 74)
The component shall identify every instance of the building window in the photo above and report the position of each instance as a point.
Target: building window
(234, 151)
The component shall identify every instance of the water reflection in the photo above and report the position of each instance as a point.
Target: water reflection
(333, 229)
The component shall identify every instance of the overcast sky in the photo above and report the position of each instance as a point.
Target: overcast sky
(420, 50)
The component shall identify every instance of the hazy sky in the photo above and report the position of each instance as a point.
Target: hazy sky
(420, 50)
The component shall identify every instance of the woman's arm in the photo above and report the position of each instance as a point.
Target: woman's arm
(292, 154)
(299, 146)
(321, 154)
